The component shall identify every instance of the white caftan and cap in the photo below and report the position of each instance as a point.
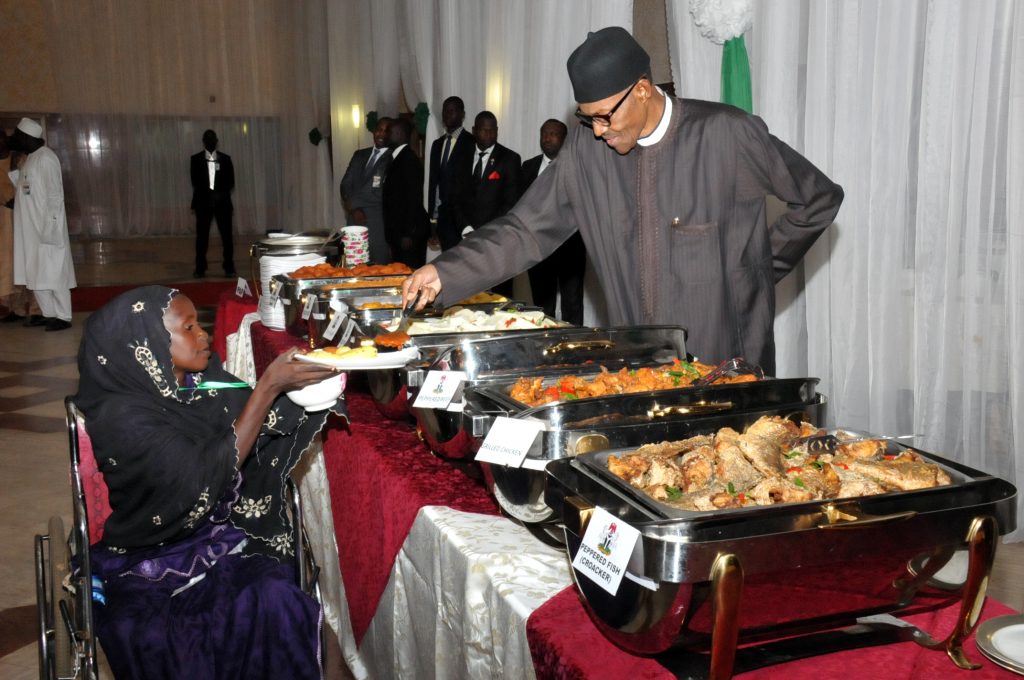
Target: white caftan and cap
(42, 249)
(30, 128)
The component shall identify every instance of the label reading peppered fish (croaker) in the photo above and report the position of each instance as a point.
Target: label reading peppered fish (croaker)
(605, 551)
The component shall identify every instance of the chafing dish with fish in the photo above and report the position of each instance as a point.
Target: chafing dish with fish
(561, 351)
(572, 428)
(393, 391)
(705, 581)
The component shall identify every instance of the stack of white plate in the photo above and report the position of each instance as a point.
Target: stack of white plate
(272, 316)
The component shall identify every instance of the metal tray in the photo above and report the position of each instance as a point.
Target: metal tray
(596, 463)
(521, 491)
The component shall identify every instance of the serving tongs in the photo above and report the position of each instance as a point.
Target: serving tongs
(830, 443)
(734, 366)
(403, 317)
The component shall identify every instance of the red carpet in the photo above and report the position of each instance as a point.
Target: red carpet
(202, 293)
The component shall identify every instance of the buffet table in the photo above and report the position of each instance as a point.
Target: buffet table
(435, 583)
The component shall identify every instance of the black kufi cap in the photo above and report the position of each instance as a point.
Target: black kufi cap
(608, 61)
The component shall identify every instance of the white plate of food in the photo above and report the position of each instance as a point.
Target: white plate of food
(1001, 639)
(361, 359)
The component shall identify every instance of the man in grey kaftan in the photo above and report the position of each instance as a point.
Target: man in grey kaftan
(669, 196)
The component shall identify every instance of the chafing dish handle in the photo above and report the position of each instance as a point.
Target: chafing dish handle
(584, 509)
(574, 345)
(837, 519)
(694, 408)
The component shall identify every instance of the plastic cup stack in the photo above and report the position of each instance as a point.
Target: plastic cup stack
(356, 241)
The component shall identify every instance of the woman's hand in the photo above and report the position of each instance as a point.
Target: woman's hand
(282, 375)
(285, 374)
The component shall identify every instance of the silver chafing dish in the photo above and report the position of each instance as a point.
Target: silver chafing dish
(573, 428)
(393, 391)
(502, 361)
(293, 292)
(704, 582)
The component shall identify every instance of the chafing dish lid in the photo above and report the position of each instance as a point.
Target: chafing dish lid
(566, 350)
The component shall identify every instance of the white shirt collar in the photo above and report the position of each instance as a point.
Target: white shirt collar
(398, 150)
(662, 128)
(544, 163)
(210, 155)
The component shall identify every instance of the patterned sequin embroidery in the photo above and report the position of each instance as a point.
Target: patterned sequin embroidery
(157, 521)
(144, 355)
(102, 359)
(200, 509)
(253, 507)
(282, 543)
(139, 307)
(111, 462)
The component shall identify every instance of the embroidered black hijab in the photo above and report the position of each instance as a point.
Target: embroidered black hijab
(168, 455)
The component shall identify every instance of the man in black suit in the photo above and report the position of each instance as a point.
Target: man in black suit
(491, 187)
(406, 225)
(563, 271)
(362, 190)
(213, 179)
(449, 152)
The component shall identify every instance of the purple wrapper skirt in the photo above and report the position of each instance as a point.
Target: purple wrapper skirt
(244, 618)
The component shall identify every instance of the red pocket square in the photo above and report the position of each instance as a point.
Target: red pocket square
(494, 175)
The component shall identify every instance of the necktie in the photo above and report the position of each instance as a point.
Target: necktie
(373, 159)
(478, 171)
(447, 150)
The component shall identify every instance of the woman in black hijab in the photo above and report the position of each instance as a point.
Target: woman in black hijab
(196, 554)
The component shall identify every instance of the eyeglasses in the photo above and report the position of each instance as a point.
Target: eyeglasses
(603, 118)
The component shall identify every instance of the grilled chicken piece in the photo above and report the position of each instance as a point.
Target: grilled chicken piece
(854, 485)
(732, 466)
(763, 454)
(630, 468)
(724, 499)
(823, 483)
(663, 472)
(864, 450)
(776, 429)
(902, 475)
(772, 490)
(673, 448)
(697, 468)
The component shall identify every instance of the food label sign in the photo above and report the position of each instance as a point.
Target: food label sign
(508, 441)
(438, 389)
(606, 549)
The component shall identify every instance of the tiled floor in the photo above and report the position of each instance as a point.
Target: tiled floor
(37, 370)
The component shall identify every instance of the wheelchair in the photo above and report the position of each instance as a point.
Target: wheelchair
(64, 585)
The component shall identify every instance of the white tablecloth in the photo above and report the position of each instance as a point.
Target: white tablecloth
(459, 595)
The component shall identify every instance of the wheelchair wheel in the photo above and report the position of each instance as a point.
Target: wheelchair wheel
(61, 645)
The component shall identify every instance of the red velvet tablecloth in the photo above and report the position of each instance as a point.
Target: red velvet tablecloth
(230, 310)
(380, 475)
(566, 645)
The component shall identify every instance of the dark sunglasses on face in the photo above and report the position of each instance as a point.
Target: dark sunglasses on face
(603, 118)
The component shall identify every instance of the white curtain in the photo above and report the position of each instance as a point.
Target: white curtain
(909, 307)
(137, 83)
(507, 57)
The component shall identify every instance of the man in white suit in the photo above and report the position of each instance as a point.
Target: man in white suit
(42, 249)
